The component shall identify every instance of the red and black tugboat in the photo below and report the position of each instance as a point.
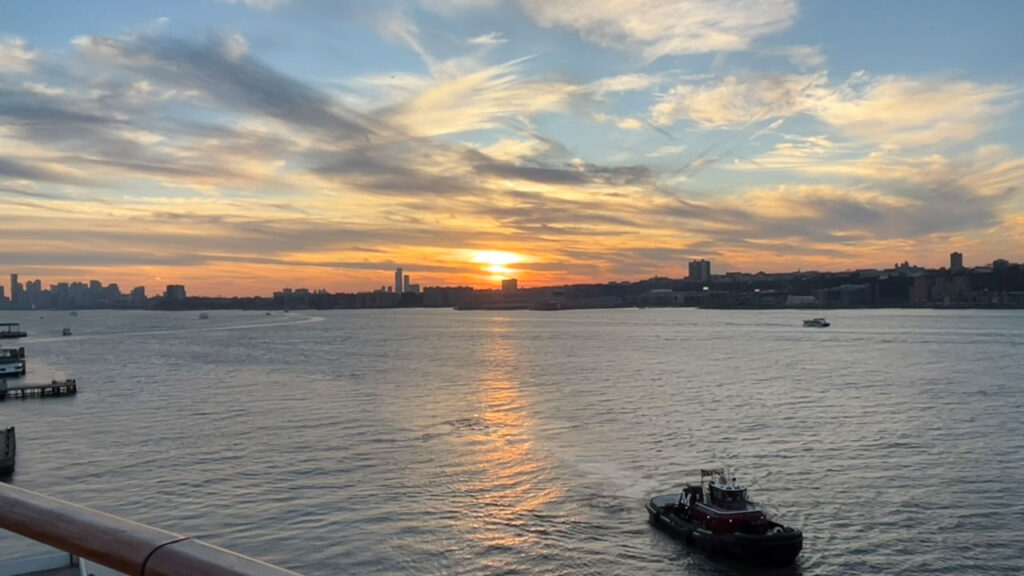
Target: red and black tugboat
(719, 519)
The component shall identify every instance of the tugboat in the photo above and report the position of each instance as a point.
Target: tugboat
(816, 323)
(721, 521)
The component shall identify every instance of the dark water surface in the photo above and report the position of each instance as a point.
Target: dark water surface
(444, 442)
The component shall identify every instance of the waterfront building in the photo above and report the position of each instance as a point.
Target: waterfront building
(405, 284)
(700, 270)
(509, 285)
(174, 293)
(138, 297)
(398, 280)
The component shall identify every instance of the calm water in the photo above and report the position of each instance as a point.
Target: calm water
(444, 442)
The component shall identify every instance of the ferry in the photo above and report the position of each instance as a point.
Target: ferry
(718, 518)
(11, 330)
(816, 323)
(12, 362)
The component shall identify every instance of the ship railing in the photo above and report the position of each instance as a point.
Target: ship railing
(71, 539)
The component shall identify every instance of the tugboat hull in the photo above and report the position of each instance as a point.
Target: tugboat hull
(779, 546)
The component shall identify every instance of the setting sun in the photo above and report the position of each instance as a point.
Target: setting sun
(497, 262)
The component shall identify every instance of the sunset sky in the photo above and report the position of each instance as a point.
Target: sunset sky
(242, 147)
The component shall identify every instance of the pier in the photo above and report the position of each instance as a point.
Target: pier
(55, 388)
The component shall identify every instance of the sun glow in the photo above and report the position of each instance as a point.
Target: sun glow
(497, 262)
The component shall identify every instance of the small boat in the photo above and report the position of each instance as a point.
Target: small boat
(720, 520)
(12, 362)
(11, 330)
(73, 313)
(203, 316)
(65, 332)
(816, 323)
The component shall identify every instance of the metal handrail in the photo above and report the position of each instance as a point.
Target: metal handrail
(122, 545)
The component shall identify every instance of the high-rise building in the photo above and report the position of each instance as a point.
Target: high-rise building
(398, 280)
(700, 270)
(956, 262)
(15, 289)
(405, 283)
(509, 285)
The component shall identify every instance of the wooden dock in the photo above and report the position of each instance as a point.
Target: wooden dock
(55, 388)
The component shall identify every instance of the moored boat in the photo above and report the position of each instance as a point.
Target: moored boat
(12, 361)
(720, 520)
(816, 323)
(11, 330)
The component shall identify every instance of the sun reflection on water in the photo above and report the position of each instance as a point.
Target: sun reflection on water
(509, 483)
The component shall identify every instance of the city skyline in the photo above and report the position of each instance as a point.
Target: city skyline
(236, 147)
(698, 270)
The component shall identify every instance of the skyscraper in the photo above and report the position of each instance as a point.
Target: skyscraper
(398, 280)
(956, 262)
(15, 289)
(405, 284)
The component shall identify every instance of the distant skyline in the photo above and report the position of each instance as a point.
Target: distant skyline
(240, 146)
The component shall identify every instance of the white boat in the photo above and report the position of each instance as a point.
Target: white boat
(816, 323)
(12, 361)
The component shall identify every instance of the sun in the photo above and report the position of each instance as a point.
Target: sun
(497, 262)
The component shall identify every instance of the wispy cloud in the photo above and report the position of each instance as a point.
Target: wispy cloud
(735, 100)
(664, 27)
(492, 39)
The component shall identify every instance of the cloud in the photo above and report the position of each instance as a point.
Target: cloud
(15, 57)
(735, 100)
(891, 110)
(904, 111)
(218, 71)
(624, 83)
(803, 56)
(665, 27)
(486, 98)
(621, 123)
(492, 39)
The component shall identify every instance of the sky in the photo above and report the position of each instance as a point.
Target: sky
(240, 147)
